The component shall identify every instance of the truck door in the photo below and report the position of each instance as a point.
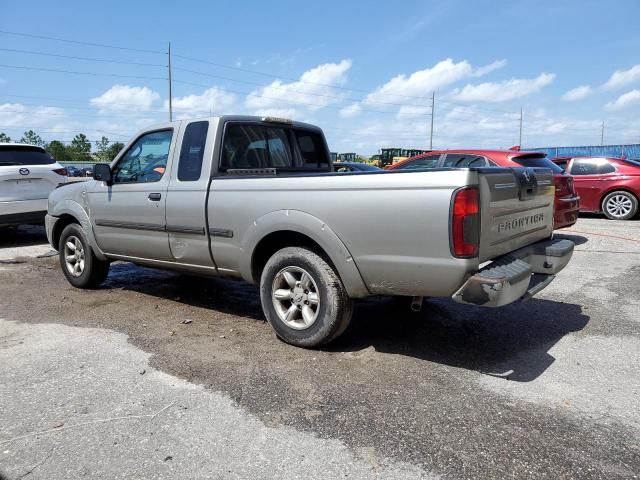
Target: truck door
(129, 216)
(186, 196)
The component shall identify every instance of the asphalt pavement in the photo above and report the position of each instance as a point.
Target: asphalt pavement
(160, 375)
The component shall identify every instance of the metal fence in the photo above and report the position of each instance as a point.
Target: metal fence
(628, 151)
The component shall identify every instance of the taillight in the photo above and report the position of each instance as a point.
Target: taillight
(61, 171)
(465, 224)
(564, 185)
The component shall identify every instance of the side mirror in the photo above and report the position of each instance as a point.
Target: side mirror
(102, 173)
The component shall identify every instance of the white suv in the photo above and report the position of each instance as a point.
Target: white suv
(27, 175)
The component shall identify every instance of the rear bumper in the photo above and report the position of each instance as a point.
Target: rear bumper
(22, 212)
(516, 276)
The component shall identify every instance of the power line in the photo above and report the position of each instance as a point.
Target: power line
(271, 75)
(77, 42)
(184, 57)
(93, 74)
(287, 88)
(195, 72)
(89, 59)
(292, 102)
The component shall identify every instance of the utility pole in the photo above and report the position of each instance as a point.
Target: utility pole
(433, 110)
(520, 136)
(602, 134)
(170, 93)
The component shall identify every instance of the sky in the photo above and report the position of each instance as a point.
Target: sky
(365, 72)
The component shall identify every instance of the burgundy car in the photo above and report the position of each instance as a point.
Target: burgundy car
(605, 184)
(566, 202)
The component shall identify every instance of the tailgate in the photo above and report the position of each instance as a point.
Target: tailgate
(19, 183)
(516, 209)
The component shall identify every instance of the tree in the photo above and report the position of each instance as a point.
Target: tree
(32, 138)
(114, 150)
(4, 138)
(80, 148)
(59, 151)
(102, 150)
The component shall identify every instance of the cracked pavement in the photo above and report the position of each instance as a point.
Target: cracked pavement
(543, 389)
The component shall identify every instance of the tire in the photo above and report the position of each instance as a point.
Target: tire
(85, 270)
(620, 205)
(303, 298)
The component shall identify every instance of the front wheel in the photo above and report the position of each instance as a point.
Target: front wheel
(303, 298)
(79, 264)
(620, 205)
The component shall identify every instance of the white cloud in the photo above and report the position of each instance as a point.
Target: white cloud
(214, 100)
(624, 100)
(503, 91)
(312, 91)
(124, 98)
(422, 82)
(351, 111)
(577, 93)
(620, 78)
(497, 65)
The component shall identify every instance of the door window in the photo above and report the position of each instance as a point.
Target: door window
(192, 151)
(430, 161)
(146, 159)
(460, 160)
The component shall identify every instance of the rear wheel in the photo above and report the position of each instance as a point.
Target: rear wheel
(303, 298)
(620, 205)
(79, 264)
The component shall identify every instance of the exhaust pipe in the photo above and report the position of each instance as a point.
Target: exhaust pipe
(416, 304)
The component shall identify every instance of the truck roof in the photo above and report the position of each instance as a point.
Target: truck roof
(241, 118)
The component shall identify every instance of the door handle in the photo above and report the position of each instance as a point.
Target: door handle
(155, 197)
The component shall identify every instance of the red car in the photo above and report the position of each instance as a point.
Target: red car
(567, 205)
(607, 185)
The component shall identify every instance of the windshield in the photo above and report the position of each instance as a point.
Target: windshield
(537, 161)
(13, 155)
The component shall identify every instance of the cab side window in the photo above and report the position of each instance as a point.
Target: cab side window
(146, 159)
(192, 151)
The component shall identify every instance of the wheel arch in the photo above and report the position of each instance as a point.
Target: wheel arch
(281, 229)
(67, 212)
(63, 220)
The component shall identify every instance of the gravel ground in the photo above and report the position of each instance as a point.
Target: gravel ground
(110, 384)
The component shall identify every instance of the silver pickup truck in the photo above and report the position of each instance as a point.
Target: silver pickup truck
(256, 198)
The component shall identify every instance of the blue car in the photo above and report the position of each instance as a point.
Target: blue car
(353, 167)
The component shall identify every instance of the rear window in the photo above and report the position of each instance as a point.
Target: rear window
(312, 149)
(255, 146)
(12, 155)
(537, 161)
